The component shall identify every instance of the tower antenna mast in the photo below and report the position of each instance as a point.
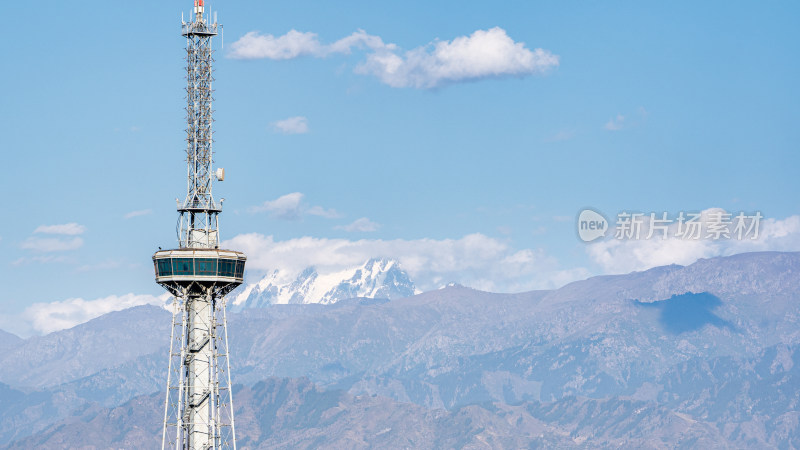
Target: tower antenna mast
(198, 410)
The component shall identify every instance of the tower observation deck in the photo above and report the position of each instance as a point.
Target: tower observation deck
(198, 410)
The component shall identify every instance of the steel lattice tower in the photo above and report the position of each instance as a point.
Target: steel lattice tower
(198, 410)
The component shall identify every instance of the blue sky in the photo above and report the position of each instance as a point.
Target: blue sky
(669, 106)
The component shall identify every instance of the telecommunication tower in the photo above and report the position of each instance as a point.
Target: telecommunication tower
(198, 410)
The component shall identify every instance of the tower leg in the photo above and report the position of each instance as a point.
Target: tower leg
(169, 403)
(225, 405)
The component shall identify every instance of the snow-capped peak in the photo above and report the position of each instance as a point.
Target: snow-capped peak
(376, 278)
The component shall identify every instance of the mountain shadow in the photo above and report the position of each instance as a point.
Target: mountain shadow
(688, 312)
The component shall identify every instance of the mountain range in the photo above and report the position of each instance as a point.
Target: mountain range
(706, 355)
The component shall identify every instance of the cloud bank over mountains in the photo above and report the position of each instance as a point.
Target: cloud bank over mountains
(43, 318)
(483, 54)
(486, 263)
(475, 260)
(616, 256)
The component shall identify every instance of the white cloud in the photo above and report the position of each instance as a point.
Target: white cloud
(561, 136)
(621, 122)
(49, 317)
(286, 207)
(623, 256)
(295, 44)
(45, 259)
(292, 207)
(52, 244)
(615, 124)
(484, 54)
(322, 212)
(360, 225)
(475, 260)
(359, 39)
(291, 45)
(292, 125)
(70, 229)
(139, 213)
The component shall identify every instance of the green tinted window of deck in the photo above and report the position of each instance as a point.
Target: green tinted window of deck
(239, 269)
(205, 266)
(164, 267)
(182, 266)
(226, 267)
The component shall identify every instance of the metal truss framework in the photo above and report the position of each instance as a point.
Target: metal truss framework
(198, 224)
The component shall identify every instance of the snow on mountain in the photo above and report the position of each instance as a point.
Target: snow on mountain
(376, 278)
